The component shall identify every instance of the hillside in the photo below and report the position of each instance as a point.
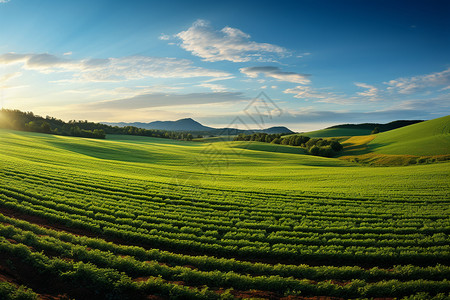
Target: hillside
(426, 138)
(424, 142)
(358, 129)
(380, 126)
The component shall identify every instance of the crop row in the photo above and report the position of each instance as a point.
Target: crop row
(208, 263)
(301, 252)
(101, 271)
(106, 206)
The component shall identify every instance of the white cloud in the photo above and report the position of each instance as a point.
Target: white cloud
(112, 69)
(371, 91)
(319, 95)
(122, 92)
(4, 1)
(165, 99)
(219, 79)
(275, 72)
(303, 54)
(274, 86)
(305, 92)
(68, 53)
(214, 87)
(227, 44)
(164, 37)
(417, 83)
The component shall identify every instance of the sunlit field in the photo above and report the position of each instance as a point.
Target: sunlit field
(168, 217)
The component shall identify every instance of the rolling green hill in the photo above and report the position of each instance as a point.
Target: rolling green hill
(345, 130)
(259, 165)
(426, 138)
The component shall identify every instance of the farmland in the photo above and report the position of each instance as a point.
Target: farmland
(129, 216)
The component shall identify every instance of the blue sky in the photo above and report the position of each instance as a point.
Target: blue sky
(320, 62)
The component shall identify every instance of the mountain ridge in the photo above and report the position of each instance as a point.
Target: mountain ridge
(189, 124)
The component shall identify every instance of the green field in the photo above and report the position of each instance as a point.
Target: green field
(128, 217)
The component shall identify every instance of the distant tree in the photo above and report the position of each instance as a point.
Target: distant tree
(314, 150)
(311, 142)
(276, 141)
(32, 126)
(326, 151)
(375, 130)
(45, 128)
(336, 146)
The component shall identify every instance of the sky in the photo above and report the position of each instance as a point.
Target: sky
(248, 64)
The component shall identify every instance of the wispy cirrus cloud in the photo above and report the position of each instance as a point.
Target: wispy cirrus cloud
(307, 92)
(276, 73)
(121, 92)
(112, 69)
(227, 44)
(164, 37)
(214, 87)
(5, 78)
(371, 91)
(166, 99)
(10, 76)
(410, 85)
(436, 104)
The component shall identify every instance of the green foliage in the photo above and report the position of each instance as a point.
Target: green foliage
(11, 292)
(323, 147)
(318, 147)
(27, 121)
(295, 140)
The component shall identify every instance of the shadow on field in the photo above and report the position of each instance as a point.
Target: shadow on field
(99, 150)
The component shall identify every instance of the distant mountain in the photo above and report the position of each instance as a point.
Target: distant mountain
(277, 129)
(187, 124)
(381, 127)
(191, 125)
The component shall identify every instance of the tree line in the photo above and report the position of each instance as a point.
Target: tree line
(315, 146)
(28, 121)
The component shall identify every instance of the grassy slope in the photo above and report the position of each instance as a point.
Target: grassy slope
(218, 165)
(335, 132)
(426, 138)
